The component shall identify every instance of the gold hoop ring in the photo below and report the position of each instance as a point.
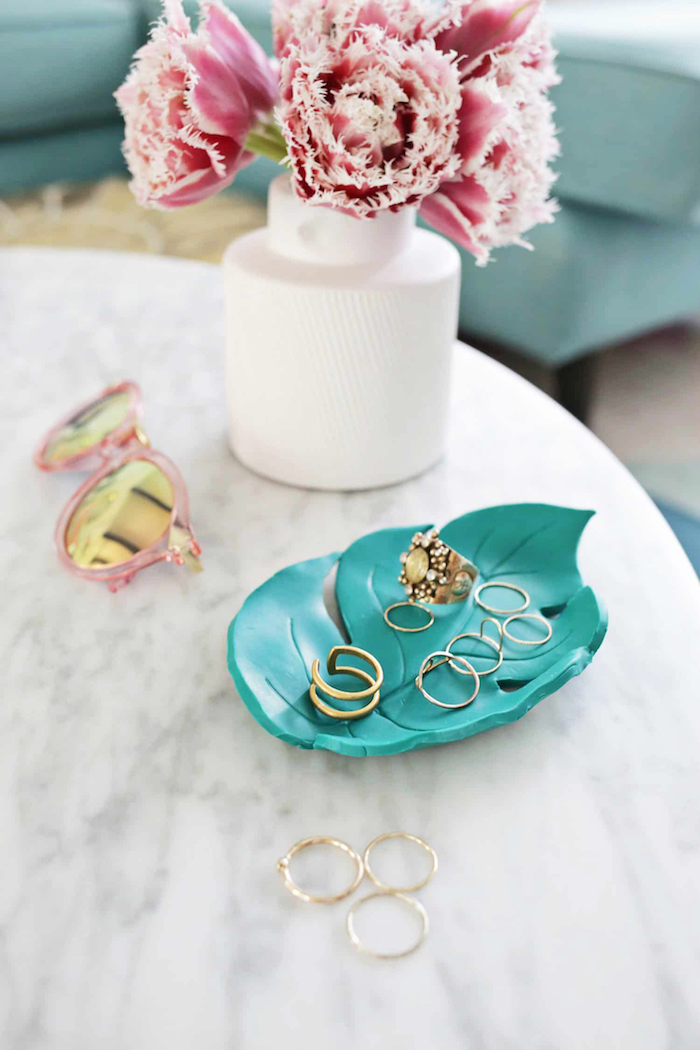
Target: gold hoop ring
(339, 713)
(409, 630)
(508, 587)
(480, 637)
(528, 616)
(411, 901)
(409, 838)
(427, 666)
(320, 840)
(333, 668)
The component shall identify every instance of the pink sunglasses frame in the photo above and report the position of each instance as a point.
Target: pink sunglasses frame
(122, 445)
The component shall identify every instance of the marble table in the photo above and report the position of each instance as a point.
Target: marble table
(142, 809)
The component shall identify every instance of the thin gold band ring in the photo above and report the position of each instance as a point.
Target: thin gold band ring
(320, 840)
(527, 616)
(506, 586)
(412, 903)
(480, 637)
(409, 838)
(427, 666)
(409, 630)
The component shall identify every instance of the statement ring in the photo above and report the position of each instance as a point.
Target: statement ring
(480, 637)
(527, 616)
(433, 572)
(410, 901)
(427, 666)
(409, 630)
(320, 840)
(508, 587)
(409, 838)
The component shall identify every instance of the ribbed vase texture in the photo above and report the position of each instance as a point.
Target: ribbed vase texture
(338, 376)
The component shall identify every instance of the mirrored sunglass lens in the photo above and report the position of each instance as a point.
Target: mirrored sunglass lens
(126, 512)
(89, 427)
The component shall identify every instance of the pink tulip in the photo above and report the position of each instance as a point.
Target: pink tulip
(507, 138)
(371, 123)
(189, 104)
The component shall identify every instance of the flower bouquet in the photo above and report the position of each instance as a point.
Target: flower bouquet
(342, 315)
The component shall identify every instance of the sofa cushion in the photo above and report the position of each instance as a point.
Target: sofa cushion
(596, 277)
(79, 154)
(629, 106)
(61, 61)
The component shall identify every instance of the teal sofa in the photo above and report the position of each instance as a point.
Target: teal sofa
(624, 254)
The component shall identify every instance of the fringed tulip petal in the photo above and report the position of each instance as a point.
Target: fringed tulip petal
(215, 96)
(479, 115)
(440, 212)
(241, 54)
(294, 21)
(486, 25)
(200, 183)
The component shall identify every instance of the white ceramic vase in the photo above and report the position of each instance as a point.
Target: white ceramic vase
(339, 343)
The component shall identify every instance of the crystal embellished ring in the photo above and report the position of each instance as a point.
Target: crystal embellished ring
(434, 573)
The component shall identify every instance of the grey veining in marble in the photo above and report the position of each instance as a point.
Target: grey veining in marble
(142, 809)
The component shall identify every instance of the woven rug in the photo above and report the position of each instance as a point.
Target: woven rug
(105, 215)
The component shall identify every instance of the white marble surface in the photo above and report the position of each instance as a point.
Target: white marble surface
(142, 809)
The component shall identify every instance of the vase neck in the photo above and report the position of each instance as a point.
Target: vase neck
(325, 236)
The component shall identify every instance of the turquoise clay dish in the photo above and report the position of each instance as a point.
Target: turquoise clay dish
(284, 625)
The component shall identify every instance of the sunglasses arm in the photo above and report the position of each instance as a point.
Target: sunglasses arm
(183, 548)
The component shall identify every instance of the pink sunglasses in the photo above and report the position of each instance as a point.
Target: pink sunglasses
(133, 510)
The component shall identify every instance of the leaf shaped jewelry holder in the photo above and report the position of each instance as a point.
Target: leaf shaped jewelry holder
(284, 625)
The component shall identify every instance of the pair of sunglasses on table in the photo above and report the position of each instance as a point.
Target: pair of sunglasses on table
(133, 509)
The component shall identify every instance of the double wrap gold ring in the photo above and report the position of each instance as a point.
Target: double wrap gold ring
(373, 683)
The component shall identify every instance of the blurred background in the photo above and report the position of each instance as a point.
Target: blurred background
(605, 315)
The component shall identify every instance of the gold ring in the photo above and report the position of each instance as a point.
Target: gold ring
(409, 838)
(320, 840)
(434, 573)
(527, 616)
(480, 637)
(373, 683)
(427, 666)
(411, 901)
(409, 630)
(508, 587)
(339, 713)
(333, 668)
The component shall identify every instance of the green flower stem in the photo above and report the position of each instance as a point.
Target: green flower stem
(267, 140)
(272, 130)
